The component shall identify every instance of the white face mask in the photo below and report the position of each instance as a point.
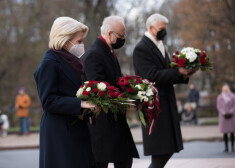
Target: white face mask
(77, 50)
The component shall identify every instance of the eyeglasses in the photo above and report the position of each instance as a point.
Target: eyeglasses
(121, 36)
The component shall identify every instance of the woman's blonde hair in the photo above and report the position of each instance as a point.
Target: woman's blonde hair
(63, 30)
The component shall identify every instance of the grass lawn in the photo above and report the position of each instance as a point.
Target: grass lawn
(214, 121)
(17, 129)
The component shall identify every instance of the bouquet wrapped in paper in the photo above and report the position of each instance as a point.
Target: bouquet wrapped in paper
(105, 96)
(191, 58)
(146, 96)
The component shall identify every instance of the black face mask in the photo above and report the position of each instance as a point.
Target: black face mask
(119, 43)
(161, 34)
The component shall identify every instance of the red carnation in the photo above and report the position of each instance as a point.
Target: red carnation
(90, 84)
(181, 62)
(176, 59)
(81, 86)
(122, 95)
(203, 60)
(138, 81)
(106, 83)
(146, 103)
(101, 93)
(85, 93)
(203, 54)
(111, 88)
(131, 90)
(95, 90)
(177, 52)
(122, 82)
(113, 94)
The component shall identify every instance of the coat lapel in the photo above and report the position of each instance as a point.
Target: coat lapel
(109, 54)
(67, 69)
(70, 73)
(155, 50)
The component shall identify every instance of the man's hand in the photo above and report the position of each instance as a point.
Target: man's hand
(184, 71)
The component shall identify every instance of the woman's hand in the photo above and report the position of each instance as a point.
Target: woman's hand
(92, 107)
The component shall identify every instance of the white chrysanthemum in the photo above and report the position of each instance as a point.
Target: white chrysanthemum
(139, 87)
(101, 86)
(144, 98)
(79, 92)
(141, 93)
(191, 56)
(86, 82)
(149, 92)
(88, 89)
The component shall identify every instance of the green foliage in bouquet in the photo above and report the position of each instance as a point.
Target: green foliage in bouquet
(105, 96)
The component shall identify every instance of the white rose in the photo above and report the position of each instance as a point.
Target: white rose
(86, 82)
(186, 50)
(101, 86)
(79, 92)
(88, 89)
(191, 56)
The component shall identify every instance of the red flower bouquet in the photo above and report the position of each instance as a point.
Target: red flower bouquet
(191, 58)
(146, 97)
(107, 97)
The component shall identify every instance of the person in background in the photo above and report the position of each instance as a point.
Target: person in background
(4, 124)
(22, 104)
(226, 108)
(64, 139)
(179, 109)
(194, 96)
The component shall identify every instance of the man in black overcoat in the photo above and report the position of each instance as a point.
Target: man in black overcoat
(112, 141)
(151, 61)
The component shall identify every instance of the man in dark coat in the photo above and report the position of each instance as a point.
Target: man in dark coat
(111, 140)
(151, 61)
(194, 96)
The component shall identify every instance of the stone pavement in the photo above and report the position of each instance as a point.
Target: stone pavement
(189, 133)
(187, 163)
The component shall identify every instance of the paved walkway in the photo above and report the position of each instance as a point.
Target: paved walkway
(189, 133)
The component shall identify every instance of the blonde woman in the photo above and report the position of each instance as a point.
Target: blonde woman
(64, 141)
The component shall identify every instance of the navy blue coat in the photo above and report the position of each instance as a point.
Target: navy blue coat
(149, 63)
(111, 140)
(63, 144)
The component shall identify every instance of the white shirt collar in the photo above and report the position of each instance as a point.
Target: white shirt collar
(150, 36)
(158, 43)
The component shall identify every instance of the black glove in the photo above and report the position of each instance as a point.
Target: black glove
(228, 116)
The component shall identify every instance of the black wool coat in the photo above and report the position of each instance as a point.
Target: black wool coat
(150, 64)
(63, 143)
(111, 140)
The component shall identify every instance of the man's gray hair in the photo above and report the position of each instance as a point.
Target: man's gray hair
(154, 19)
(109, 23)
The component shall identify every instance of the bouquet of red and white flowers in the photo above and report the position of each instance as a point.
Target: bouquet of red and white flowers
(146, 96)
(191, 58)
(105, 96)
